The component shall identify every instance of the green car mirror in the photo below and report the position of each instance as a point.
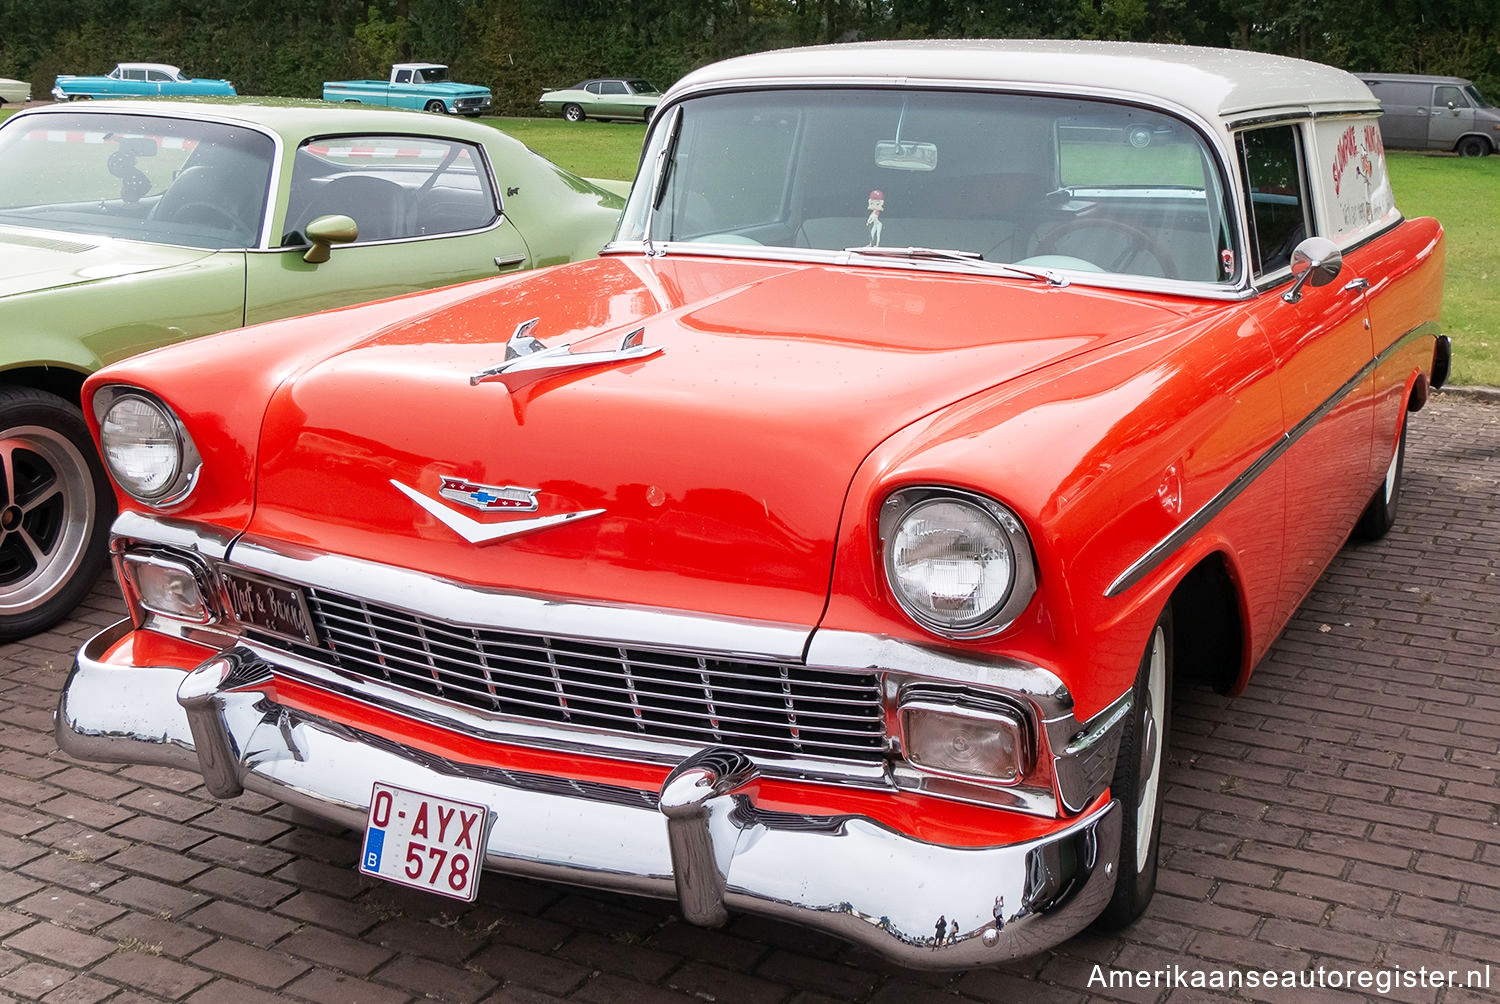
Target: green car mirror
(326, 231)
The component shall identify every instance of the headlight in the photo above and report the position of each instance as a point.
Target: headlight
(957, 562)
(145, 447)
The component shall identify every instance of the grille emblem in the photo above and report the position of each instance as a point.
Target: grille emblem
(488, 498)
(476, 532)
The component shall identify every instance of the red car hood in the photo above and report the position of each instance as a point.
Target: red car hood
(713, 474)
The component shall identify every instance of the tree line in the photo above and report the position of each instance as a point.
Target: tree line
(521, 47)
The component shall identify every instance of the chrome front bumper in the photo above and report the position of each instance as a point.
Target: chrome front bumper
(701, 840)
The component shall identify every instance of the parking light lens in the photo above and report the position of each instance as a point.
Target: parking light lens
(952, 739)
(166, 588)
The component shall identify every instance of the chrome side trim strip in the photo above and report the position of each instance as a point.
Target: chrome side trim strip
(1169, 544)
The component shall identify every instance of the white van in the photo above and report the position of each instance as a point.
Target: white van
(1434, 113)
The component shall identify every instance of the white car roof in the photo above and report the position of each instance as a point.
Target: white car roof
(167, 67)
(1220, 85)
(418, 66)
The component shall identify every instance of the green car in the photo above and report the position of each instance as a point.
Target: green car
(604, 98)
(132, 224)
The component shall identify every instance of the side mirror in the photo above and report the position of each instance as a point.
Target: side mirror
(326, 231)
(1316, 260)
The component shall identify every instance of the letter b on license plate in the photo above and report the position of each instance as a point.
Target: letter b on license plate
(425, 841)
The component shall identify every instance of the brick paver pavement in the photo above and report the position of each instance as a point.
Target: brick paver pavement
(1341, 814)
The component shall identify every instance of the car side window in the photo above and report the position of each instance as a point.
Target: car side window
(403, 76)
(594, 87)
(613, 87)
(156, 75)
(1449, 97)
(1276, 189)
(393, 187)
(134, 75)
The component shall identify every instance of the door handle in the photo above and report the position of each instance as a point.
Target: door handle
(1360, 284)
(506, 262)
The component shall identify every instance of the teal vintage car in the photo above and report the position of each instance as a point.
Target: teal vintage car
(138, 80)
(414, 85)
(131, 224)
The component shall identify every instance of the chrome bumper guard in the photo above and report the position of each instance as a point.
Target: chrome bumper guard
(701, 840)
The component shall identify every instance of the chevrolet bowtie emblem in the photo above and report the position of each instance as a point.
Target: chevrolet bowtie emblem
(488, 497)
(473, 530)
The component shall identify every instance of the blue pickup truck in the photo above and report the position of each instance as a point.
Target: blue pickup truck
(414, 85)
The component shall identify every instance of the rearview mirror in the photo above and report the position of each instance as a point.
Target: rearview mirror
(326, 231)
(904, 155)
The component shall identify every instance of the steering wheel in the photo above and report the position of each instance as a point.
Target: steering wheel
(207, 214)
(1137, 242)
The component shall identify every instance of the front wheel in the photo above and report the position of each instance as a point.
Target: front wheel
(435, 106)
(573, 113)
(55, 510)
(1473, 146)
(1137, 781)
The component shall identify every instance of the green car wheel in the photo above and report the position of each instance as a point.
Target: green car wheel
(55, 511)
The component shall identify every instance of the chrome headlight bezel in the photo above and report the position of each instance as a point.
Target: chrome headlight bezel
(187, 463)
(1008, 531)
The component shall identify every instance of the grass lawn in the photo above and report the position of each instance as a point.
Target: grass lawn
(592, 149)
(1464, 195)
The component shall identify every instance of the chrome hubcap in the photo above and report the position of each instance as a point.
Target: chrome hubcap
(46, 510)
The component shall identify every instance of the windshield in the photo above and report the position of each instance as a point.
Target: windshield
(142, 177)
(1025, 179)
(642, 87)
(1478, 98)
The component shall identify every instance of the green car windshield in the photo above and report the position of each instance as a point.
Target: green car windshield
(140, 177)
(1033, 180)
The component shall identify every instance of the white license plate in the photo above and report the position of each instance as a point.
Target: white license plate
(424, 841)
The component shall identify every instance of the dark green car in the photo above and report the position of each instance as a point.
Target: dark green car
(138, 223)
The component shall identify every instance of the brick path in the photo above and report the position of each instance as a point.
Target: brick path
(1342, 813)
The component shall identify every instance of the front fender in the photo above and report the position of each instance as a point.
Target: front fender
(1101, 458)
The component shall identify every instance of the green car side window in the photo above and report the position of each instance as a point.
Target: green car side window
(393, 187)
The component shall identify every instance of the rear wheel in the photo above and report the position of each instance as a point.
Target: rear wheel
(573, 113)
(1473, 146)
(1380, 514)
(1137, 780)
(55, 510)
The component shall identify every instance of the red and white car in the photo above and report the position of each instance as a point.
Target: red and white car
(829, 548)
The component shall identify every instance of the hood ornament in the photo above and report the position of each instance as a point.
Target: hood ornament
(528, 358)
(473, 530)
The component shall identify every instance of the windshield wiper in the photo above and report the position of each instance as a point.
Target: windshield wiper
(971, 258)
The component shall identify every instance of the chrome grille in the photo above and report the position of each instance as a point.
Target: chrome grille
(759, 708)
